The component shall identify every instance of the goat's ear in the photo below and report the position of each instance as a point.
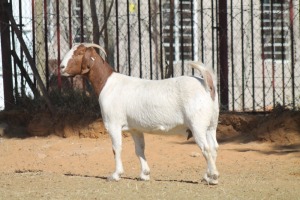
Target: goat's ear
(87, 61)
(85, 68)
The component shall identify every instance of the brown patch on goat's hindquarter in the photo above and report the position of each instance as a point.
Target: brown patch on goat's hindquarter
(211, 85)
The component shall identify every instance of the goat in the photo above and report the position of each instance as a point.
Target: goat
(182, 105)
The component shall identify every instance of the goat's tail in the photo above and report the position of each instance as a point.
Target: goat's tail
(208, 75)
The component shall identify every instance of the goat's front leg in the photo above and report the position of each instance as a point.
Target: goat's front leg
(139, 141)
(116, 138)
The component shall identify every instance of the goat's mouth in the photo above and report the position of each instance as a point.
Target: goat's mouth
(64, 73)
(71, 76)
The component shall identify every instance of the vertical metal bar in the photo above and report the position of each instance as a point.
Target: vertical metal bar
(82, 35)
(217, 28)
(21, 50)
(282, 53)
(291, 8)
(155, 37)
(263, 56)
(192, 29)
(70, 29)
(273, 53)
(46, 43)
(6, 53)
(33, 30)
(161, 40)
(212, 34)
(176, 29)
(223, 53)
(117, 36)
(140, 38)
(70, 22)
(15, 73)
(202, 31)
(81, 22)
(105, 25)
(181, 39)
(150, 39)
(58, 45)
(232, 57)
(252, 58)
(128, 39)
(171, 23)
(243, 56)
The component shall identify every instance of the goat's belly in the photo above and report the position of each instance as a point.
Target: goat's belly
(182, 130)
(160, 129)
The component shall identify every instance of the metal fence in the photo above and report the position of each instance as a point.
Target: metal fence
(253, 44)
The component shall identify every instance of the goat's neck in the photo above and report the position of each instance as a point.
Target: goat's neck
(99, 74)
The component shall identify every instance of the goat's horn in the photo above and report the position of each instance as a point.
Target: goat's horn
(95, 45)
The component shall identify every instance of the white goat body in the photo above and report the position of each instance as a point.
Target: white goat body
(154, 106)
(181, 105)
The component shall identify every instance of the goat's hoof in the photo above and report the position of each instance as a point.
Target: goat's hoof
(113, 178)
(146, 172)
(210, 180)
(144, 178)
(214, 177)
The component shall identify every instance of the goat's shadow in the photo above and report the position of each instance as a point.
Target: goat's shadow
(133, 179)
(277, 149)
(86, 176)
(178, 181)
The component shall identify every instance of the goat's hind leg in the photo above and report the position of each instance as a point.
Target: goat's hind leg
(139, 142)
(212, 141)
(212, 178)
(212, 174)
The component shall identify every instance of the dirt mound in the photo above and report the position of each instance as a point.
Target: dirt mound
(44, 124)
(14, 123)
(234, 125)
(21, 124)
(280, 126)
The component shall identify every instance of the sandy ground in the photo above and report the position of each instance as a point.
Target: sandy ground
(69, 157)
(76, 168)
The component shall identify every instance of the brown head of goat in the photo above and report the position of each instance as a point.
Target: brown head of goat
(84, 60)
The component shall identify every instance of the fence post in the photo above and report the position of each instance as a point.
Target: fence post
(6, 55)
(223, 53)
(291, 8)
(170, 67)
